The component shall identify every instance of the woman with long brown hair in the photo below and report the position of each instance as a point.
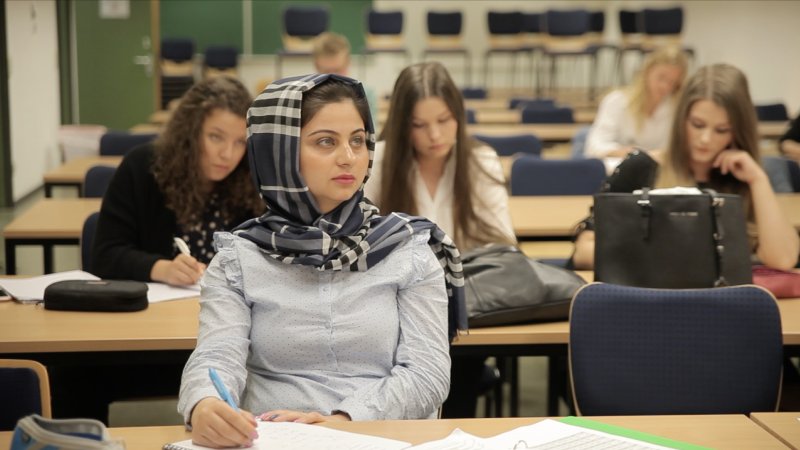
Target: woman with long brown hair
(714, 144)
(189, 183)
(426, 165)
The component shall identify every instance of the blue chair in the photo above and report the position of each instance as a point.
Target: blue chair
(524, 102)
(568, 30)
(535, 176)
(384, 35)
(474, 93)
(177, 68)
(444, 37)
(118, 143)
(639, 351)
(24, 390)
(301, 24)
(662, 26)
(630, 28)
(470, 116)
(547, 115)
(87, 239)
(533, 39)
(794, 174)
(220, 60)
(96, 181)
(527, 144)
(505, 37)
(773, 112)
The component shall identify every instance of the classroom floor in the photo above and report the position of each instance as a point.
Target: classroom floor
(162, 411)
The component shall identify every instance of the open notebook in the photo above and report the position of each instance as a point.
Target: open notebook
(570, 432)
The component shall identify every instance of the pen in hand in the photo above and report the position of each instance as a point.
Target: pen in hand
(182, 247)
(221, 389)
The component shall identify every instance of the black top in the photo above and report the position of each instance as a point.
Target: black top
(793, 132)
(135, 227)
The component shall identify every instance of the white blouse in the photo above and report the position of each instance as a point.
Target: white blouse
(490, 197)
(615, 126)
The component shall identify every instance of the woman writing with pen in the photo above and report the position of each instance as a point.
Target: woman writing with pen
(191, 182)
(357, 327)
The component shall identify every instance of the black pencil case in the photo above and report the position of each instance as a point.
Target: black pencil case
(96, 295)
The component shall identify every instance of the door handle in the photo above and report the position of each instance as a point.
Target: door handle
(146, 61)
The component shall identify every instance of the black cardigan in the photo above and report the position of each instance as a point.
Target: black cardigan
(135, 228)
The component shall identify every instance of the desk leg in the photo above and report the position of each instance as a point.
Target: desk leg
(514, 403)
(553, 386)
(48, 258)
(48, 190)
(11, 258)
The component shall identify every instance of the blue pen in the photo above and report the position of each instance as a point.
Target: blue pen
(221, 389)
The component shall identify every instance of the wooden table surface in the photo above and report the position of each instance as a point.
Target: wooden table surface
(714, 431)
(783, 425)
(52, 218)
(74, 170)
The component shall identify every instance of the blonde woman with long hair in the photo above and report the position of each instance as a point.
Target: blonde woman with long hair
(639, 115)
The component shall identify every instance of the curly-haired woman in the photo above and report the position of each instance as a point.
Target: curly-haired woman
(189, 183)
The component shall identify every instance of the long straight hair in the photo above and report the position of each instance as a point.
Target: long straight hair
(415, 83)
(638, 93)
(727, 87)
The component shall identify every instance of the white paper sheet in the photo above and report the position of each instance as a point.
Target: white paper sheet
(291, 436)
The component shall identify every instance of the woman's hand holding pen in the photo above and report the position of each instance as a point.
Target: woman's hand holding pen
(215, 424)
(183, 270)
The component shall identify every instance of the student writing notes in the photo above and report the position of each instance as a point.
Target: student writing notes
(714, 144)
(357, 327)
(191, 182)
(639, 115)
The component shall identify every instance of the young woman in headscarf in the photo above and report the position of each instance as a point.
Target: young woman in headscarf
(321, 309)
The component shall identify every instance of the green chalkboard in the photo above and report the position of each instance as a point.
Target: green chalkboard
(221, 22)
(207, 22)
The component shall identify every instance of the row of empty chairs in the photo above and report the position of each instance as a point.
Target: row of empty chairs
(177, 65)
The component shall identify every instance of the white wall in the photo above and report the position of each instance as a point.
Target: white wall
(33, 90)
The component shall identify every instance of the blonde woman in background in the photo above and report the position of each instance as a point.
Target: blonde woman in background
(639, 115)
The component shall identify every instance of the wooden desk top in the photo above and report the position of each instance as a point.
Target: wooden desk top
(74, 171)
(52, 218)
(553, 132)
(170, 325)
(715, 431)
(772, 130)
(543, 216)
(784, 425)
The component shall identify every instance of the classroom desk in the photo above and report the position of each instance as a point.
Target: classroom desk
(714, 431)
(47, 223)
(73, 172)
(785, 426)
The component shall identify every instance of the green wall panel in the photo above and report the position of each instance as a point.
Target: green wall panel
(208, 22)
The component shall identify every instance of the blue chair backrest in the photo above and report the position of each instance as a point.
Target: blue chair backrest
(629, 22)
(522, 102)
(511, 145)
(662, 21)
(597, 21)
(96, 181)
(508, 23)
(794, 174)
(221, 57)
(535, 176)
(387, 23)
(772, 112)
(533, 22)
(547, 115)
(567, 22)
(474, 93)
(20, 395)
(638, 351)
(87, 238)
(177, 49)
(305, 20)
(118, 143)
(444, 23)
(470, 113)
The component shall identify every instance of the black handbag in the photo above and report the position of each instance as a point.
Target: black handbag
(671, 241)
(504, 287)
(96, 295)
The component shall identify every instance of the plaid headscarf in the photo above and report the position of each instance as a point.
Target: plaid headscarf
(353, 236)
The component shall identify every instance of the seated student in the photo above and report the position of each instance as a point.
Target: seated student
(357, 329)
(426, 165)
(714, 144)
(639, 115)
(331, 54)
(790, 141)
(191, 182)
